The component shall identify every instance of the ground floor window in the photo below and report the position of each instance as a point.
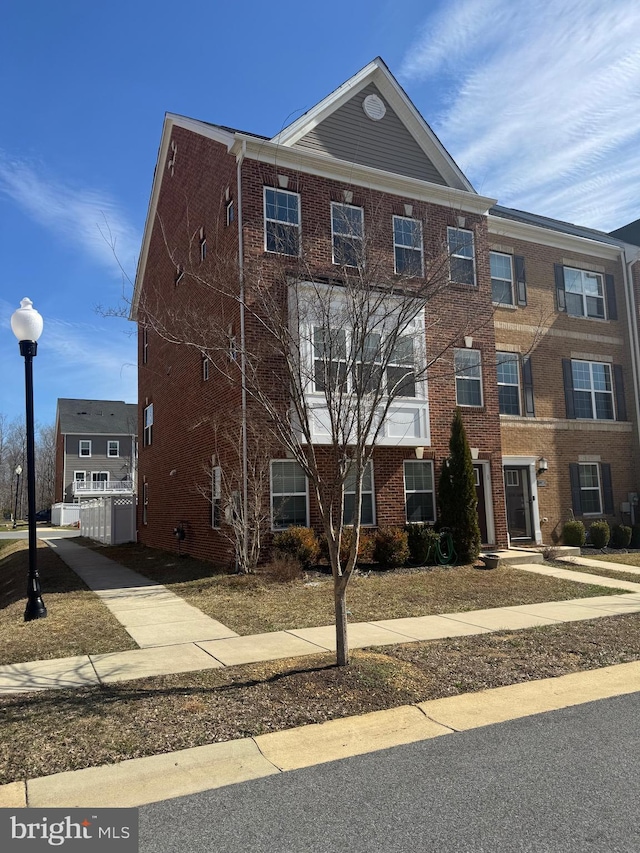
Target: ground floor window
(216, 496)
(367, 511)
(289, 499)
(590, 497)
(591, 488)
(418, 491)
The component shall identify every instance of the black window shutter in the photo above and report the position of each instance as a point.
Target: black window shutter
(576, 495)
(568, 387)
(607, 489)
(560, 297)
(612, 308)
(521, 279)
(618, 385)
(527, 387)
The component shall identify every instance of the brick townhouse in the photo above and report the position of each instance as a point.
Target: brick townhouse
(530, 329)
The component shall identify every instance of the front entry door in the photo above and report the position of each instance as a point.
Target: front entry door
(517, 491)
(482, 505)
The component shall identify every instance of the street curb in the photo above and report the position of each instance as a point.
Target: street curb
(139, 781)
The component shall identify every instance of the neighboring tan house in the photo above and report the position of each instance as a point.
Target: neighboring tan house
(96, 446)
(541, 361)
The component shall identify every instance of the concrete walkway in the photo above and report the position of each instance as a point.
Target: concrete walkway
(175, 637)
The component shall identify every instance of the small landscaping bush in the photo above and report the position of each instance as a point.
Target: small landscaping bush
(573, 533)
(620, 536)
(298, 543)
(283, 569)
(391, 547)
(599, 534)
(635, 536)
(422, 540)
(365, 546)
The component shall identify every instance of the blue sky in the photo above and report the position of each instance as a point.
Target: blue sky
(536, 101)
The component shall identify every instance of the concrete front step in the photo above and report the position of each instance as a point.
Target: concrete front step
(515, 556)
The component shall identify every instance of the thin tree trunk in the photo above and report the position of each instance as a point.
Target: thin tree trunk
(342, 643)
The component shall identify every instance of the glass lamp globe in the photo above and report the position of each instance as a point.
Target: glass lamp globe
(26, 322)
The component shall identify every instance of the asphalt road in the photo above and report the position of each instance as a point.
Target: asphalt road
(559, 782)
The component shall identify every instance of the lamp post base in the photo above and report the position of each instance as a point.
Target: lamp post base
(35, 609)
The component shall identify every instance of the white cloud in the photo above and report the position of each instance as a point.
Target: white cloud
(539, 106)
(83, 216)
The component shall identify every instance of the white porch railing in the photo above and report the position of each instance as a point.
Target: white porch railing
(88, 488)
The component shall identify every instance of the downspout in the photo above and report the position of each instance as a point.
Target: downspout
(243, 360)
(632, 322)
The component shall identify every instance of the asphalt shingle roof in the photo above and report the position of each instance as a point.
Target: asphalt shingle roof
(101, 417)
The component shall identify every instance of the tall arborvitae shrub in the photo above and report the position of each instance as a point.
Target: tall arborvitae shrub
(457, 498)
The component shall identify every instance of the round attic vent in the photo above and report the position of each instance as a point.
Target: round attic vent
(374, 107)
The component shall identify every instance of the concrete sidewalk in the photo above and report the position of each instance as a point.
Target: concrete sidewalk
(175, 637)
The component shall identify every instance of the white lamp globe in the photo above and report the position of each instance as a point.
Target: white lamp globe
(26, 322)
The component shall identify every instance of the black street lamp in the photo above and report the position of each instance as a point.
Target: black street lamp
(27, 327)
(15, 511)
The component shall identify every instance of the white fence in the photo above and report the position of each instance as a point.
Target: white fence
(63, 515)
(110, 520)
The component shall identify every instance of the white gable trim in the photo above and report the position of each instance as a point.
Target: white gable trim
(377, 72)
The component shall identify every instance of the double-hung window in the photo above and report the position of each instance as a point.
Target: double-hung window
(508, 371)
(145, 502)
(281, 221)
(329, 360)
(367, 512)
(462, 263)
(401, 377)
(584, 293)
(84, 447)
(419, 491)
(216, 497)
(592, 390)
(468, 372)
(289, 502)
(113, 448)
(407, 246)
(501, 278)
(148, 425)
(590, 492)
(347, 234)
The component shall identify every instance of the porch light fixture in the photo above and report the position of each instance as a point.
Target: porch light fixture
(543, 465)
(27, 325)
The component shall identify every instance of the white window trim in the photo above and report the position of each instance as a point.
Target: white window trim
(518, 384)
(510, 281)
(468, 378)
(592, 390)
(583, 295)
(96, 474)
(286, 494)
(595, 465)
(408, 492)
(216, 497)
(80, 453)
(77, 479)
(145, 345)
(148, 425)
(117, 453)
(280, 221)
(145, 502)
(334, 233)
(373, 500)
(453, 254)
(418, 222)
(205, 368)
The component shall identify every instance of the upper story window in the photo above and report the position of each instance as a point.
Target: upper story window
(462, 264)
(407, 246)
(203, 245)
(501, 278)
(289, 500)
(84, 448)
(468, 377)
(281, 221)
(419, 491)
(347, 234)
(145, 345)
(338, 368)
(230, 212)
(583, 293)
(113, 448)
(592, 390)
(205, 368)
(179, 275)
(148, 425)
(508, 371)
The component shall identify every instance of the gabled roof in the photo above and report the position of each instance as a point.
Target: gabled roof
(370, 120)
(98, 417)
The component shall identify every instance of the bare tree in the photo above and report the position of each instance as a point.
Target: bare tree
(329, 363)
